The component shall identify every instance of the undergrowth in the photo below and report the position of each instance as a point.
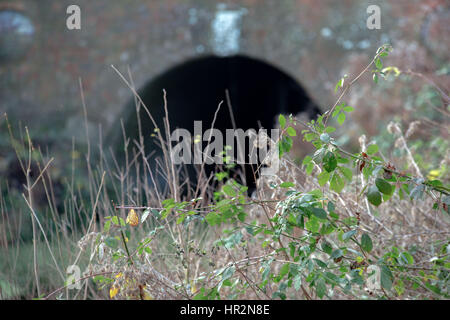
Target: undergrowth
(342, 225)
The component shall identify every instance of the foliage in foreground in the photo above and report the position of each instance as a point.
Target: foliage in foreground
(343, 225)
(323, 235)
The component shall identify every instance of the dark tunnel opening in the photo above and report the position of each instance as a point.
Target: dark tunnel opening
(253, 92)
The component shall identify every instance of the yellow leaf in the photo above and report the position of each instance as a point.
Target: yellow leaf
(119, 275)
(433, 174)
(193, 287)
(132, 218)
(390, 69)
(113, 292)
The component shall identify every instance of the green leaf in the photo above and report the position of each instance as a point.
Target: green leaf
(326, 247)
(348, 109)
(282, 121)
(321, 288)
(348, 235)
(228, 272)
(115, 220)
(181, 219)
(330, 129)
(348, 174)
(339, 84)
(319, 213)
(375, 78)
(285, 145)
(307, 160)
(312, 224)
(341, 118)
(378, 63)
(323, 178)
(107, 226)
(337, 254)
(320, 263)
(329, 161)
(337, 183)
(374, 196)
(386, 277)
(229, 190)
(291, 131)
(366, 242)
(372, 149)
(287, 185)
(309, 167)
(330, 206)
(407, 257)
(213, 218)
(384, 186)
(310, 136)
(284, 270)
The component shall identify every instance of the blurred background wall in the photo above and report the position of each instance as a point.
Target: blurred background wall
(316, 41)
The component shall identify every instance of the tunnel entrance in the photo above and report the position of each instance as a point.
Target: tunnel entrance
(253, 93)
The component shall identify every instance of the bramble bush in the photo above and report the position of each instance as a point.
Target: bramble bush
(342, 225)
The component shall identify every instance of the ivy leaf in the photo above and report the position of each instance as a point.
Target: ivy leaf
(384, 186)
(374, 196)
(366, 242)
